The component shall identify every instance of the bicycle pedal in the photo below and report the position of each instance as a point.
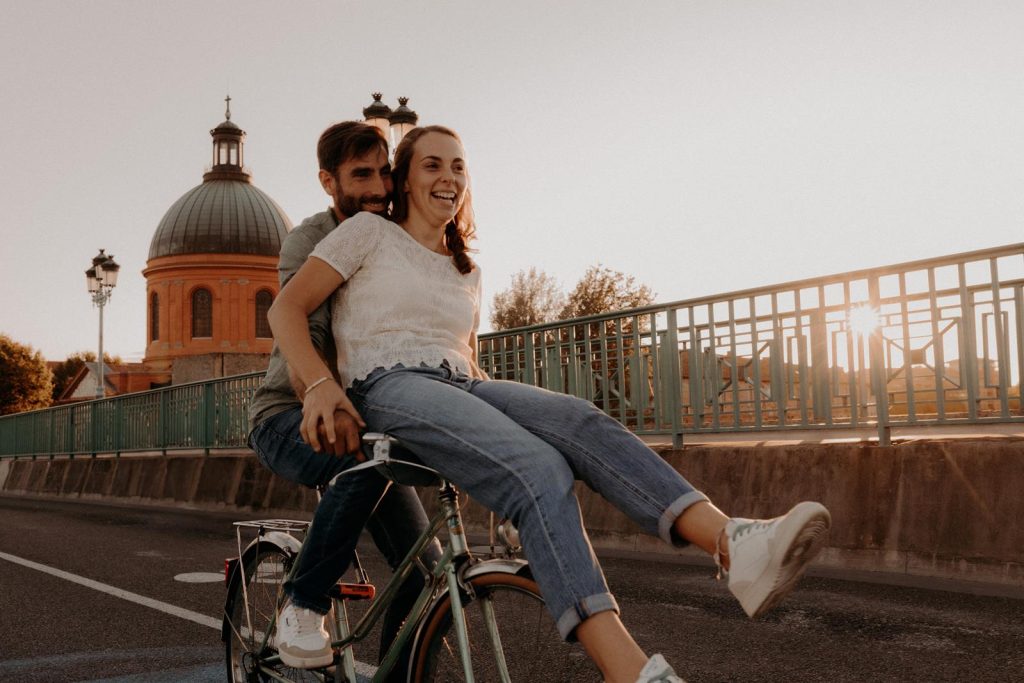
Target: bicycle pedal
(352, 591)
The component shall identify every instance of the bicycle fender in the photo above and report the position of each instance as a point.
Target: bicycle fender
(278, 539)
(497, 565)
(514, 567)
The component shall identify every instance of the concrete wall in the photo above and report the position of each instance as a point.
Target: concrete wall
(946, 509)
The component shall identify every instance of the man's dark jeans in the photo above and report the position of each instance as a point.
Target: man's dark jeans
(392, 513)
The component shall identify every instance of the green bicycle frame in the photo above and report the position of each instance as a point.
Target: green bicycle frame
(444, 573)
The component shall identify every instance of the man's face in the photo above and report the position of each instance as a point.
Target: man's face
(360, 184)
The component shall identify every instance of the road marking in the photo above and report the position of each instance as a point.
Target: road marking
(199, 577)
(363, 670)
(164, 607)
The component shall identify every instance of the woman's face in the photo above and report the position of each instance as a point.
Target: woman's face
(437, 181)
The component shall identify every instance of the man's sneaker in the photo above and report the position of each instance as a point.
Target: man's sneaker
(767, 557)
(657, 670)
(302, 641)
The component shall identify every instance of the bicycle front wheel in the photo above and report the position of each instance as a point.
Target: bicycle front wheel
(528, 649)
(251, 607)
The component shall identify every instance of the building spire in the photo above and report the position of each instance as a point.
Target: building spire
(228, 149)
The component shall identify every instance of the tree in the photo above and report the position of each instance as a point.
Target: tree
(66, 370)
(602, 289)
(533, 298)
(24, 378)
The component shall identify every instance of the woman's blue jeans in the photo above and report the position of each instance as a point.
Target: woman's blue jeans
(517, 450)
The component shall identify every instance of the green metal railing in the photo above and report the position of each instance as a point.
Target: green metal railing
(931, 342)
(196, 416)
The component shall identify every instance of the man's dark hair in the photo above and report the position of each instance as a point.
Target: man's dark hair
(345, 140)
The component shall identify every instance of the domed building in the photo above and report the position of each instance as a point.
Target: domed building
(211, 274)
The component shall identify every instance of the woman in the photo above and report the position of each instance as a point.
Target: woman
(405, 320)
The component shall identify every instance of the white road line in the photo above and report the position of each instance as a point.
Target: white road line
(165, 607)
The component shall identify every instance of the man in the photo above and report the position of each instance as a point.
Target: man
(356, 173)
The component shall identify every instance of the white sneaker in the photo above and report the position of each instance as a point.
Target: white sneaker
(657, 670)
(302, 641)
(767, 557)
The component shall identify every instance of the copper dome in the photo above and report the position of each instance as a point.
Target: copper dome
(226, 214)
(221, 216)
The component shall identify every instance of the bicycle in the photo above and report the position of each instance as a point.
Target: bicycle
(477, 619)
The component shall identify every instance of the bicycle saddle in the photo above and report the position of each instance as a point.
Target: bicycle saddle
(405, 470)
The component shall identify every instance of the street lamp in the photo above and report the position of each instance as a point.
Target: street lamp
(402, 120)
(376, 114)
(100, 279)
(393, 123)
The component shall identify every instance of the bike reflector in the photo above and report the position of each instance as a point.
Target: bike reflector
(356, 591)
(229, 566)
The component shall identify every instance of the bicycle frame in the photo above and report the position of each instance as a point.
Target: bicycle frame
(445, 577)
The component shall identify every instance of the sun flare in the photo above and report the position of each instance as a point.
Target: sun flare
(864, 320)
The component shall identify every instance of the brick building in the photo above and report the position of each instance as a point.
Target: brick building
(211, 273)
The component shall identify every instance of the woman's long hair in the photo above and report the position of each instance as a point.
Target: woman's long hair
(458, 232)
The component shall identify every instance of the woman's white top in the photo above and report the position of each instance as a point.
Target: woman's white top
(401, 302)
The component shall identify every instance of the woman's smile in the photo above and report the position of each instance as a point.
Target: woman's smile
(437, 179)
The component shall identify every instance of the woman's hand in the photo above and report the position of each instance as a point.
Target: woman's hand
(318, 408)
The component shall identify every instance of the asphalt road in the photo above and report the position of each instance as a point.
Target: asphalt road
(53, 628)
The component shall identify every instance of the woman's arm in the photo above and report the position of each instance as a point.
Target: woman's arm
(474, 344)
(288, 316)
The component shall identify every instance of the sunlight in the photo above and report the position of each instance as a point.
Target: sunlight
(864, 320)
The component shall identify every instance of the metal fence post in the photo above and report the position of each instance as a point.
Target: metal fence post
(675, 372)
(162, 431)
(209, 415)
(528, 376)
(879, 373)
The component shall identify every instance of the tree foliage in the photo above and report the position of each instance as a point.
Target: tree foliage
(24, 378)
(602, 289)
(533, 298)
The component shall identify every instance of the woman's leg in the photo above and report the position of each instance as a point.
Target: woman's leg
(764, 557)
(611, 460)
(612, 648)
(502, 466)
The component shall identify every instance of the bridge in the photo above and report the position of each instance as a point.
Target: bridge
(835, 388)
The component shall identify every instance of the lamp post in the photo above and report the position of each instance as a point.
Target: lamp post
(100, 279)
(393, 123)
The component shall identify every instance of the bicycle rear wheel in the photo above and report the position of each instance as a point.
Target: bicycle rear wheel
(531, 647)
(250, 609)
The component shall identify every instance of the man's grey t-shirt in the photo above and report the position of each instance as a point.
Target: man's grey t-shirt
(275, 394)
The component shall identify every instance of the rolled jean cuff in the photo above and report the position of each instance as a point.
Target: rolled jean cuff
(671, 514)
(583, 610)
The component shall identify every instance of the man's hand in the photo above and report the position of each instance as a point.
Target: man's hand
(346, 429)
(319, 409)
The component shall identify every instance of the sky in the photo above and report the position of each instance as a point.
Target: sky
(700, 146)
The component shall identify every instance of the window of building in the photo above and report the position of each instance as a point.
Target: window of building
(263, 301)
(202, 313)
(154, 317)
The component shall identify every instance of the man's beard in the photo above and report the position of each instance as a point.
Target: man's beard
(349, 205)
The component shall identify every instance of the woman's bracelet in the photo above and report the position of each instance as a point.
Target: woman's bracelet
(314, 385)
